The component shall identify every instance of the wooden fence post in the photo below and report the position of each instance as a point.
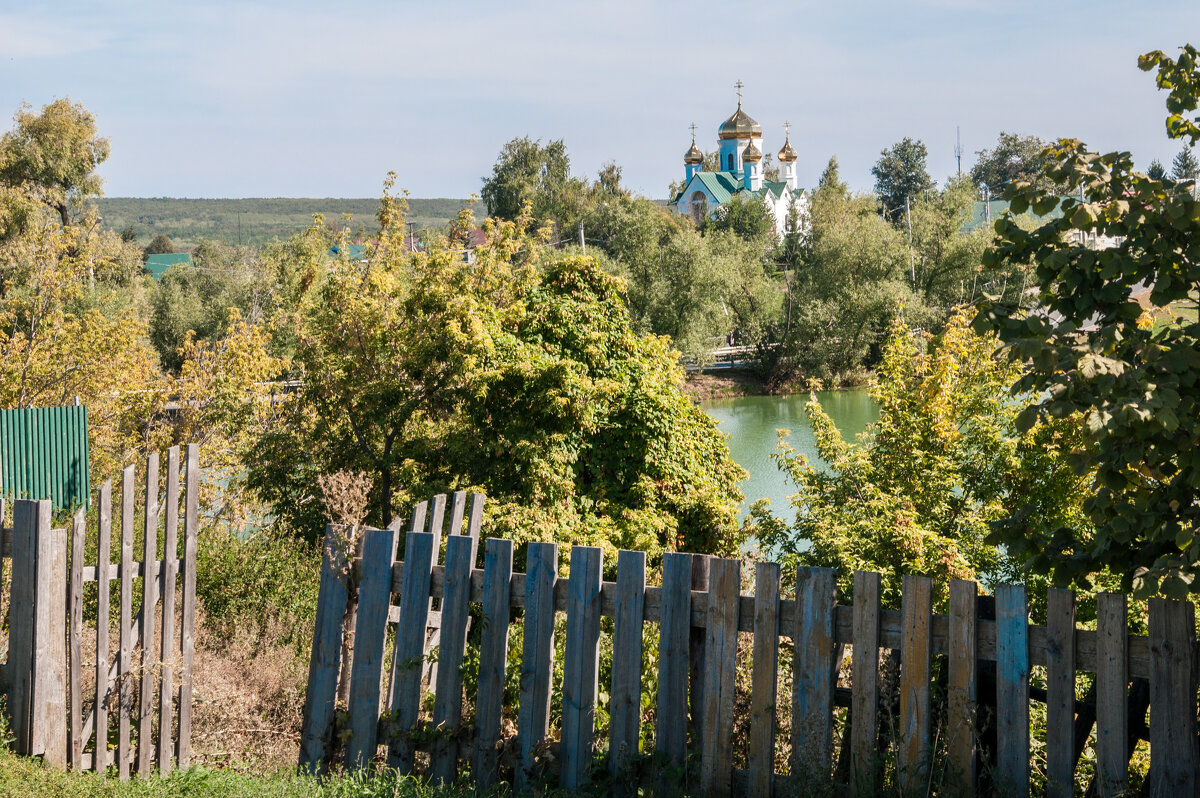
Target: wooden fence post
(75, 640)
(448, 698)
(1012, 690)
(720, 672)
(419, 554)
(316, 731)
(149, 601)
(812, 687)
(764, 679)
(1173, 762)
(187, 637)
(864, 686)
(1112, 684)
(700, 566)
(370, 633)
(170, 566)
(537, 658)
(1060, 693)
(916, 655)
(581, 666)
(493, 656)
(670, 729)
(37, 642)
(626, 692)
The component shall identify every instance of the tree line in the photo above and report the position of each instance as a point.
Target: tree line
(1056, 444)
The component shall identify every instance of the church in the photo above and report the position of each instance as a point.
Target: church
(739, 143)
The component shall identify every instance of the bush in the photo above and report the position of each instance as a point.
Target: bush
(242, 583)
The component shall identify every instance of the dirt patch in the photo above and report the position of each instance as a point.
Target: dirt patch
(723, 384)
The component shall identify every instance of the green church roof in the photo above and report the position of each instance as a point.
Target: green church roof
(723, 185)
(157, 265)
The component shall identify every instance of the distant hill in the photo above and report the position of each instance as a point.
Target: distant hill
(255, 221)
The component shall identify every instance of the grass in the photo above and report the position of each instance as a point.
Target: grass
(23, 776)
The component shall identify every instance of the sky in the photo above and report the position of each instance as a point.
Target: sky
(301, 99)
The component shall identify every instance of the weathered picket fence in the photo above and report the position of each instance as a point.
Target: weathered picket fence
(44, 676)
(700, 611)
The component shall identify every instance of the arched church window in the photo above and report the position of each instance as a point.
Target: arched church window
(731, 169)
(699, 207)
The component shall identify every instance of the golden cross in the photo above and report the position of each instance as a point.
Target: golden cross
(693, 127)
(787, 129)
(739, 86)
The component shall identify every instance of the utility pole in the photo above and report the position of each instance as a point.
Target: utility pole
(912, 274)
(958, 150)
(582, 242)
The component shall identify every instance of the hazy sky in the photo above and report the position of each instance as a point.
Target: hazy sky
(299, 99)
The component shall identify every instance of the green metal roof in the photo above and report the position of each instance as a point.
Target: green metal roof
(353, 251)
(157, 265)
(985, 214)
(44, 455)
(723, 185)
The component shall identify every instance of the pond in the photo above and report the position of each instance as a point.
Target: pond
(751, 423)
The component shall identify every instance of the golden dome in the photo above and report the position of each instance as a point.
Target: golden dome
(788, 153)
(739, 126)
(693, 156)
(751, 153)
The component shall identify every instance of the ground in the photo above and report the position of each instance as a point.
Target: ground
(723, 383)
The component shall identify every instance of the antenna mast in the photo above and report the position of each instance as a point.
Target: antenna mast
(958, 150)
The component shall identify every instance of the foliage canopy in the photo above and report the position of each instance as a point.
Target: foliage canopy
(518, 374)
(1093, 349)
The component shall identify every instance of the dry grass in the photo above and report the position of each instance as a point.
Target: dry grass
(248, 698)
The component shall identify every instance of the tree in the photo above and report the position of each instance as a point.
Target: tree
(197, 301)
(899, 173)
(528, 172)
(944, 255)
(608, 182)
(53, 156)
(831, 178)
(1092, 349)
(160, 245)
(518, 374)
(1156, 171)
(746, 217)
(918, 494)
(850, 279)
(1185, 166)
(1013, 158)
(58, 343)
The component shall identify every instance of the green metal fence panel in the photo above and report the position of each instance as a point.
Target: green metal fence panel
(44, 455)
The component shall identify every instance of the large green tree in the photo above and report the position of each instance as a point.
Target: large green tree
(1185, 166)
(694, 288)
(519, 374)
(53, 155)
(1092, 348)
(1014, 158)
(919, 492)
(526, 171)
(901, 173)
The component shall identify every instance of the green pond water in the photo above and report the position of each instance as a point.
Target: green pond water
(751, 423)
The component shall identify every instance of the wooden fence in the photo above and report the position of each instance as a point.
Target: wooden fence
(44, 676)
(700, 613)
